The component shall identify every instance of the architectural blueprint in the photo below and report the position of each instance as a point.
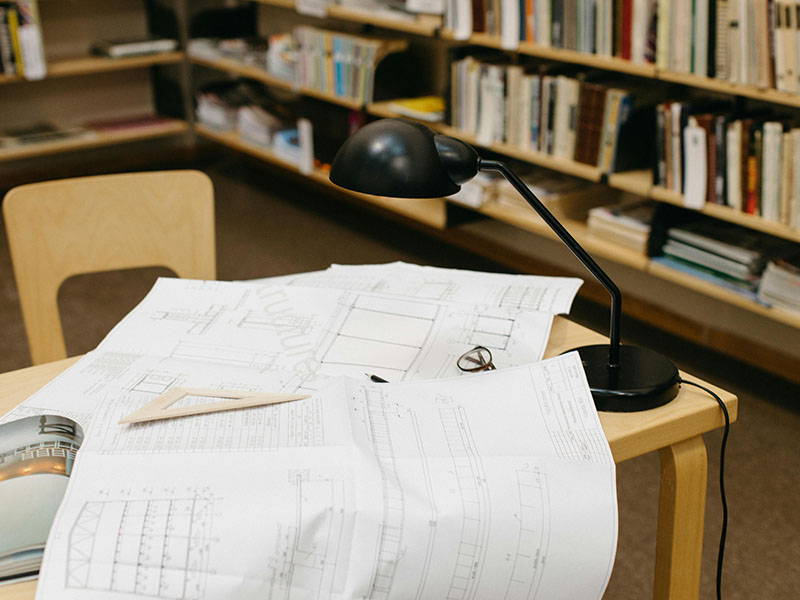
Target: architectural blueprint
(496, 485)
(283, 339)
(437, 485)
(524, 292)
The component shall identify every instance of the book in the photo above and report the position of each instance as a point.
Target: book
(36, 458)
(728, 240)
(424, 108)
(39, 133)
(745, 289)
(628, 224)
(133, 46)
(780, 283)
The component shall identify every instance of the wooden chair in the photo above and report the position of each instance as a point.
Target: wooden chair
(57, 229)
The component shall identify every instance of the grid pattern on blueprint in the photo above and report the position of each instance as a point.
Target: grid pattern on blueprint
(385, 334)
(155, 547)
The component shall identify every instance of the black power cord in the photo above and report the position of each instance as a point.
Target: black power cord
(721, 554)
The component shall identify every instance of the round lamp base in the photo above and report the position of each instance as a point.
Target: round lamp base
(644, 379)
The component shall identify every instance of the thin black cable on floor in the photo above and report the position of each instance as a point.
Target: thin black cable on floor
(721, 554)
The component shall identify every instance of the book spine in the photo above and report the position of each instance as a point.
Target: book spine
(786, 176)
(7, 61)
(721, 70)
(660, 168)
(721, 141)
(13, 26)
(751, 204)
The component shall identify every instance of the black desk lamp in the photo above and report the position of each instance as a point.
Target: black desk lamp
(405, 159)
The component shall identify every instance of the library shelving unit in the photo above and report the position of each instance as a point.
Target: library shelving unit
(79, 87)
(637, 182)
(430, 212)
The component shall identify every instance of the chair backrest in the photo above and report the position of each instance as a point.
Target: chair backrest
(57, 229)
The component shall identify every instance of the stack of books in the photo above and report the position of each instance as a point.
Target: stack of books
(627, 224)
(716, 155)
(557, 114)
(248, 51)
(40, 133)
(722, 253)
(21, 45)
(780, 283)
(339, 64)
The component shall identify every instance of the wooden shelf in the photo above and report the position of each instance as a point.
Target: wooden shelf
(87, 65)
(259, 74)
(425, 25)
(640, 182)
(429, 211)
(530, 221)
(716, 291)
(736, 89)
(94, 140)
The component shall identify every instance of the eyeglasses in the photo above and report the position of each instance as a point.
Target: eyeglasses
(475, 360)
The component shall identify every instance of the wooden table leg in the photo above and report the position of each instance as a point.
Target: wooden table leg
(681, 514)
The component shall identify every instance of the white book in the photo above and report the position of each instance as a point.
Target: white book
(681, 36)
(700, 30)
(721, 70)
(734, 48)
(473, 96)
(663, 34)
(733, 164)
(787, 176)
(676, 139)
(513, 105)
(771, 170)
(565, 112)
(695, 178)
(795, 22)
(497, 79)
(779, 36)
(790, 44)
(509, 24)
(794, 201)
(543, 18)
(639, 24)
(745, 47)
(524, 133)
(544, 119)
(486, 109)
(536, 112)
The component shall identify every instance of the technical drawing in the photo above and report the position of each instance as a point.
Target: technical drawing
(310, 546)
(534, 535)
(471, 478)
(492, 332)
(391, 528)
(198, 321)
(159, 549)
(229, 355)
(524, 297)
(379, 333)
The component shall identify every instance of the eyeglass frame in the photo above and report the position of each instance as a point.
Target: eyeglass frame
(482, 366)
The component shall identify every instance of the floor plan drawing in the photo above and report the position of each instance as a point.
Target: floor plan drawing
(154, 548)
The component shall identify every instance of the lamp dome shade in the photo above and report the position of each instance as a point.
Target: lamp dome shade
(403, 159)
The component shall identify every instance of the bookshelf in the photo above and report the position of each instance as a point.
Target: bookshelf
(80, 89)
(426, 37)
(428, 211)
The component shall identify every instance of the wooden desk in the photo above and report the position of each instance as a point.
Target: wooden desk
(674, 430)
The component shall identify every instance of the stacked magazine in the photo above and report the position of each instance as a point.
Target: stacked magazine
(780, 283)
(727, 255)
(627, 224)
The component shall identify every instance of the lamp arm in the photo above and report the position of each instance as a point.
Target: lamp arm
(574, 246)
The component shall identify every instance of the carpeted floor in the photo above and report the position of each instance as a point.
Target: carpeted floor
(267, 225)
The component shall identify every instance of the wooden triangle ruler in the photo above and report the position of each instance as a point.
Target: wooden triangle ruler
(160, 407)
